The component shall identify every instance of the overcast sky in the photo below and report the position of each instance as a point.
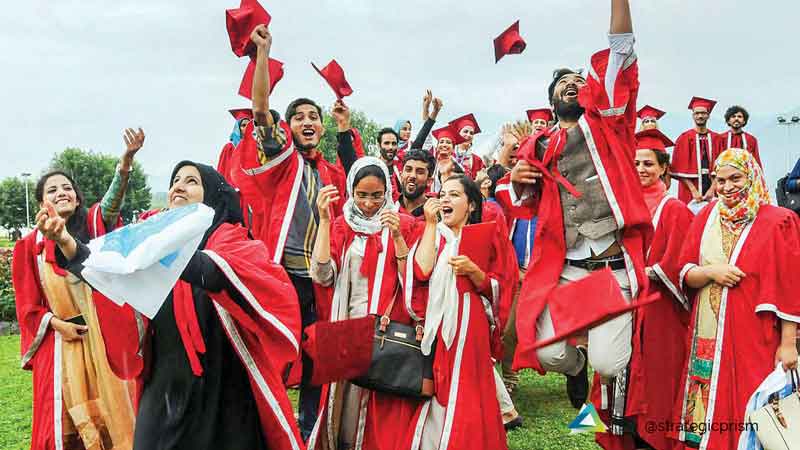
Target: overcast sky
(75, 73)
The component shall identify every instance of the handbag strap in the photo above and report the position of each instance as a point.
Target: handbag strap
(419, 328)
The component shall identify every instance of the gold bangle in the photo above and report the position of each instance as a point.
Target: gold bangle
(398, 257)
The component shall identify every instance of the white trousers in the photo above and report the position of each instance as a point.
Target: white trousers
(609, 343)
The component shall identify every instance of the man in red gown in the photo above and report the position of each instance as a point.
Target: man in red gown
(580, 181)
(693, 154)
(737, 117)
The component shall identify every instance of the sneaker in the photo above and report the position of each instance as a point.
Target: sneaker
(578, 385)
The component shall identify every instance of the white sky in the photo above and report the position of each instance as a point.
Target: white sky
(75, 73)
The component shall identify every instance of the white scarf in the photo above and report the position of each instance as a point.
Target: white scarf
(442, 309)
(354, 217)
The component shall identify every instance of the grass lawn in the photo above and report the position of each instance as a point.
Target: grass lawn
(541, 400)
(5, 243)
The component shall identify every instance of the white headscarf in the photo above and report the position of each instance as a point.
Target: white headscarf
(354, 217)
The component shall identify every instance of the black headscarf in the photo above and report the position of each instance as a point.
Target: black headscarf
(217, 195)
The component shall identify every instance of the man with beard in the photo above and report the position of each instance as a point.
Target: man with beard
(282, 171)
(580, 182)
(693, 155)
(387, 142)
(737, 117)
(415, 179)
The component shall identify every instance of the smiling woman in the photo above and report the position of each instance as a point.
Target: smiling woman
(61, 341)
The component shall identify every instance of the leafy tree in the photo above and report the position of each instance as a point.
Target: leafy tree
(93, 172)
(12, 203)
(359, 121)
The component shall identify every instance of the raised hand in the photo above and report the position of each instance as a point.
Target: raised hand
(326, 197)
(437, 106)
(261, 37)
(341, 113)
(134, 140)
(426, 105)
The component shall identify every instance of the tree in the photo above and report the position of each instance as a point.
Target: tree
(12, 203)
(93, 172)
(359, 121)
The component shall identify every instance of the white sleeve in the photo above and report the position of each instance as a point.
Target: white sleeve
(621, 57)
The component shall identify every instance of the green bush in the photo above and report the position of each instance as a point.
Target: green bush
(7, 309)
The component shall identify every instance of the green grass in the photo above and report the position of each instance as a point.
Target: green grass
(15, 397)
(541, 400)
(6, 243)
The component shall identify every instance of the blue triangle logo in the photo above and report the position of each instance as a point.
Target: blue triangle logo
(587, 421)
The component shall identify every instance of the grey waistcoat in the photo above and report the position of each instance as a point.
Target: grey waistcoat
(589, 216)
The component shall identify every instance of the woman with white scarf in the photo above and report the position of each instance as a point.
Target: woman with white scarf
(357, 262)
(462, 321)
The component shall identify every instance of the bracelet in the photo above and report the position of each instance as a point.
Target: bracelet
(401, 257)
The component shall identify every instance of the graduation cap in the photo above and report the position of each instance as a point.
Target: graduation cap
(339, 350)
(275, 75)
(545, 114)
(467, 120)
(508, 43)
(650, 111)
(242, 113)
(449, 132)
(699, 102)
(476, 243)
(241, 22)
(334, 75)
(653, 139)
(604, 301)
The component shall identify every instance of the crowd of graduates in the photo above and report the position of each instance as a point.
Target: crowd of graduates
(558, 250)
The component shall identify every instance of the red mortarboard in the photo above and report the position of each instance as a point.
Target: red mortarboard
(448, 131)
(508, 43)
(339, 350)
(475, 243)
(653, 140)
(699, 102)
(241, 113)
(241, 22)
(545, 114)
(334, 75)
(465, 120)
(604, 301)
(649, 111)
(275, 75)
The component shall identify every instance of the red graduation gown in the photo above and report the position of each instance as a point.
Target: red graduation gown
(472, 165)
(686, 161)
(609, 130)
(748, 333)
(386, 422)
(744, 140)
(38, 343)
(659, 337)
(463, 376)
(265, 334)
(224, 164)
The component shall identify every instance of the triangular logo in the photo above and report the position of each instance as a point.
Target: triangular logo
(587, 421)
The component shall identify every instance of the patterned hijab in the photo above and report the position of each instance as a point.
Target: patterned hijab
(750, 197)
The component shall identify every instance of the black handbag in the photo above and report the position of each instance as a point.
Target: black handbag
(786, 199)
(398, 366)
